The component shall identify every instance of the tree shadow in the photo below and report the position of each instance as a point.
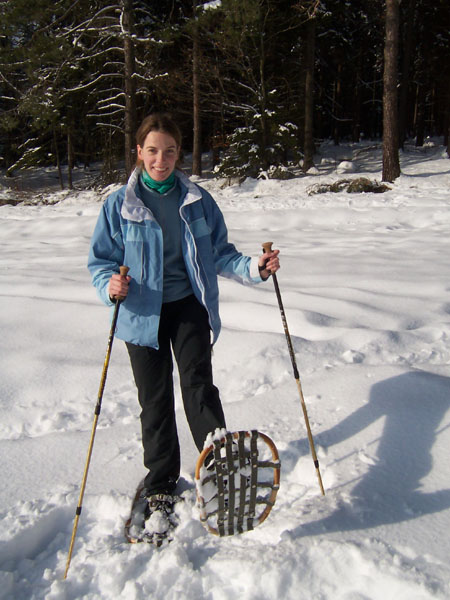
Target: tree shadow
(413, 405)
(427, 174)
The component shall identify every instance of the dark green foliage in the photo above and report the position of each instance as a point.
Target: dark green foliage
(243, 157)
(62, 76)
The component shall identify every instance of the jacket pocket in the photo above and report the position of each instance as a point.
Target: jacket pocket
(135, 239)
(200, 228)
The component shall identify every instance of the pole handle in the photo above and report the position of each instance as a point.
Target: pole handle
(123, 270)
(267, 247)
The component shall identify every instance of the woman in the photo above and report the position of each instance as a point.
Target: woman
(172, 236)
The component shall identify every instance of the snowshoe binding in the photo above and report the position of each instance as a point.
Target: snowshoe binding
(153, 518)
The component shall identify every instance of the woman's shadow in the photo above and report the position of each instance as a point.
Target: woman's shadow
(413, 406)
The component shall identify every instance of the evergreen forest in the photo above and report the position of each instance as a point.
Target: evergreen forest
(258, 83)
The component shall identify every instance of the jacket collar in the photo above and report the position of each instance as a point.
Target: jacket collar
(134, 209)
(193, 192)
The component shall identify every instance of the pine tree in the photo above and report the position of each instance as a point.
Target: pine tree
(254, 40)
(33, 68)
(197, 125)
(77, 75)
(308, 138)
(391, 161)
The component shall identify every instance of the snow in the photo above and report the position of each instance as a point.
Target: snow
(212, 5)
(346, 166)
(365, 281)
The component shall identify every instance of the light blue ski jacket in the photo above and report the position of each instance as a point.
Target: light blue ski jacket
(127, 233)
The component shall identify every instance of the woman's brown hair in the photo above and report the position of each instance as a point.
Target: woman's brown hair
(162, 122)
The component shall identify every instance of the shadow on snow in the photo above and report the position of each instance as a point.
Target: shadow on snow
(413, 406)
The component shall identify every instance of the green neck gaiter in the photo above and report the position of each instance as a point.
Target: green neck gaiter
(159, 186)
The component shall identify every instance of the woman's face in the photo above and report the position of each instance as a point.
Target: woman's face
(159, 155)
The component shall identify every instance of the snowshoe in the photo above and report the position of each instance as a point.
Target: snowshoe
(237, 478)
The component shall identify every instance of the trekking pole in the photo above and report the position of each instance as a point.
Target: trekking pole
(267, 247)
(98, 407)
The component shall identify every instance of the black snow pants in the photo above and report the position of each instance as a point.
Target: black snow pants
(184, 328)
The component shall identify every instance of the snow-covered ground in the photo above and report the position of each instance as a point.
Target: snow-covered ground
(365, 281)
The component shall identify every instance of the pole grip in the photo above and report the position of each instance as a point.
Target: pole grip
(123, 270)
(267, 247)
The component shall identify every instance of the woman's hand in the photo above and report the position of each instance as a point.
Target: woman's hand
(269, 263)
(118, 286)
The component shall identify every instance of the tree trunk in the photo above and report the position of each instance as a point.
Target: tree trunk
(406, 70)
(448, 142)
(58, 162)
(308, 160)
(130, 86)
(337, 105)
(263, 101)
(70, 159)
(301, 94)
(391, 162)
(197, 131)
(447, 121)
(419, 115)
(356, 112)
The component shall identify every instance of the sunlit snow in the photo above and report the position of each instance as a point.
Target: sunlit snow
(365, 281)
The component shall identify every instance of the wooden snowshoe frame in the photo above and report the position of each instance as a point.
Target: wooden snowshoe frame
(237, 478)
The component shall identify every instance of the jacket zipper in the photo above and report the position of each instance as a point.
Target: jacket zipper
(195, 264)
